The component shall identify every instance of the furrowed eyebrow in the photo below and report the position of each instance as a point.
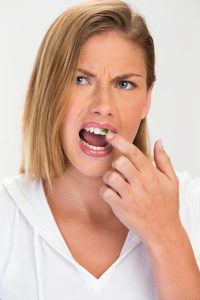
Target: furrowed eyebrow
(122, 76)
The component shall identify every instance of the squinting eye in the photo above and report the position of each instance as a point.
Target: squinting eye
(133, 85)
(79, 78)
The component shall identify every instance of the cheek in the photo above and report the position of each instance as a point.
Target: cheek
(130, 121)
(132, 114)
(70, 117)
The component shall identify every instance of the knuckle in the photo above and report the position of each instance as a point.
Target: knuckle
(106, 176)
(153, 177)
(107, 192)
(167, 157)
(112, 176)
(132, 155)
(120, 160)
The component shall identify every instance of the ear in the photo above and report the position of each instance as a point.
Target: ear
(147, 103)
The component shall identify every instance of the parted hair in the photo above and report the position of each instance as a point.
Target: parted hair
(42, 155)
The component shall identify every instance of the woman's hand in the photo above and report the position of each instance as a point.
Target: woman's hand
(145, 198)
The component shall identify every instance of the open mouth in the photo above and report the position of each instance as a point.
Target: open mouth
(94, 139)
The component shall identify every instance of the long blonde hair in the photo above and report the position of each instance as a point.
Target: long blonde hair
(53, 75)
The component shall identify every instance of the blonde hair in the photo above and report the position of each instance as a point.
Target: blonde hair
(53, 76)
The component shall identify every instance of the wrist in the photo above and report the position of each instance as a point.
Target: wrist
(173, 237)
(173, 262)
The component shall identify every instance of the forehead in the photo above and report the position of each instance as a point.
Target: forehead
(112, 50)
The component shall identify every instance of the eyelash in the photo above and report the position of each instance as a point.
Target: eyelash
(133, 84)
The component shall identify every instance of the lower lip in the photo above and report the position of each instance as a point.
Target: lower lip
(95, 153)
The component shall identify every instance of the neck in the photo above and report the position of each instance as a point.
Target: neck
(76, 194)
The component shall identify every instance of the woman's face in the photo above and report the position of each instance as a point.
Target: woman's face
(122, 103)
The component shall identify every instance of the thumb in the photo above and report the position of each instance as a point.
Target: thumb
(163, 161)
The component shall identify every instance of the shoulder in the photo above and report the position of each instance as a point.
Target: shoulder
(7, 204)
(189, 198)
(7, 220)
(8, 217)
(189, 193)
(9, 188)
(188, 185)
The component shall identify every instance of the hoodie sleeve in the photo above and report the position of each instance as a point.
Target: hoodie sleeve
(7, 217)
(189, 196)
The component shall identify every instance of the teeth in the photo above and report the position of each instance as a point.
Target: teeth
(93, 147)
(95, 130)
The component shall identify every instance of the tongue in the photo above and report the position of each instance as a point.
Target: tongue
(93, 139)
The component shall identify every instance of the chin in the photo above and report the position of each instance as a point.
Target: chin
(92, 170)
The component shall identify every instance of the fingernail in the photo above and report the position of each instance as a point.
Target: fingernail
(160, 145)
(109, 135)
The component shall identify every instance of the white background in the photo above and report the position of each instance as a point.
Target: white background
(175, 109)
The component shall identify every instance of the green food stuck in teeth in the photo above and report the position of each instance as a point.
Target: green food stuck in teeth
(105, 130)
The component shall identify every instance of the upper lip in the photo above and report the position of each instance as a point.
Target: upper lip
(98, 125)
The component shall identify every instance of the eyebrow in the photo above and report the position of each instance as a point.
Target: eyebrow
(119, 77)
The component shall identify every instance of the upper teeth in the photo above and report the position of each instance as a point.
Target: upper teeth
(95, 130)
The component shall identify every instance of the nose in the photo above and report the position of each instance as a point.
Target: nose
(102, 103)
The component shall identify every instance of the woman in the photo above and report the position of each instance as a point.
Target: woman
(81, 222)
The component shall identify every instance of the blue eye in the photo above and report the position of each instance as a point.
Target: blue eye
(127, 82)
(79, 78)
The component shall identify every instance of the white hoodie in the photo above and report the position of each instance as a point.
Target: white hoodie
(36, 264)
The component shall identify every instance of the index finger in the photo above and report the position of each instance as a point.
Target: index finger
(133, 153)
